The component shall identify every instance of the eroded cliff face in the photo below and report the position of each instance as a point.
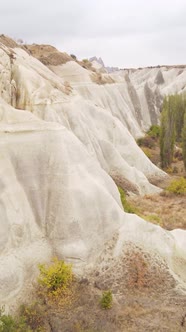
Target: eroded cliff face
(61, 148)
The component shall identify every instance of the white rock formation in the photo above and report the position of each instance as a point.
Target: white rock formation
(104, 132)
(58, 151)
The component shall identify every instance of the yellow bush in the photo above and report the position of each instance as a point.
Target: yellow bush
(55, 277)
(177, 186)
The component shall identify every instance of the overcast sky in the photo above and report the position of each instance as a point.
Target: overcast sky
(125, 33)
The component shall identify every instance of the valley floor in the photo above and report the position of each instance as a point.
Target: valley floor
(165, 209)
(168, 211)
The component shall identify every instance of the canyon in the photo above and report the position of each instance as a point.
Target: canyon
(68, 138)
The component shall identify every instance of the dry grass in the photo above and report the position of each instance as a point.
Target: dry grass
(87, 65)
(131, 311)
(165, 209)
(168, 211)
(8, 42)
(48, 55)
(100, 78)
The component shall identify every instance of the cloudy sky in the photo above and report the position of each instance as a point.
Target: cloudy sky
(125, 33)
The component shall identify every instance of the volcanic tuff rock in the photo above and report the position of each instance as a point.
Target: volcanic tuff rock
(63, 139)
(100, 65)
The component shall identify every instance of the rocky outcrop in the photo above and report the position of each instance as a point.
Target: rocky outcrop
(98, 63)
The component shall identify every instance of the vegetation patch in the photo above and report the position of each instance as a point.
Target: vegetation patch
(151, 138)
(106, 300)
(55, 278)
(100, 78)
(147, 142)
(129, 208)
(147, 152)
(154, 218)
(33, 316)
(10, 324)
(154, 131)
(177, 186)
(173, 129)
(55, 288)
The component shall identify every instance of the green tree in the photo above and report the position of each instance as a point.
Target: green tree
(167, 133)
(180, 107)
(173, 128)
(184, 141)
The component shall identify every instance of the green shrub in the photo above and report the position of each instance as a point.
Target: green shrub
(146, 141)
(147, 152)
(11, 324)
(154, 131)
(177, 186)
(149, 140)
(106, 300)
(55, 277)
(7, 323)
(126, 205)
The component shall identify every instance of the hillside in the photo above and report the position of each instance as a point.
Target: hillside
(66, 143)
